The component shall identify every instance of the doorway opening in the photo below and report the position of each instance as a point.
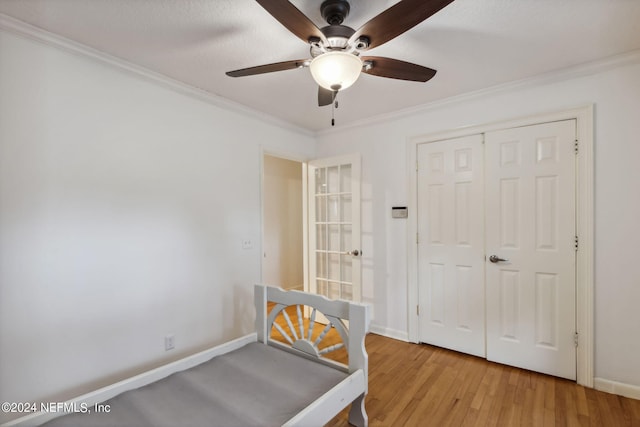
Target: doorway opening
(311, 225)
(283, 216)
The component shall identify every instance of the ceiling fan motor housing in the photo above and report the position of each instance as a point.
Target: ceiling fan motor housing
(337, 35)
(335, 11)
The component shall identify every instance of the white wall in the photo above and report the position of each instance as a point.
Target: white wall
(616, 95)
(282, 189)
(123, 206)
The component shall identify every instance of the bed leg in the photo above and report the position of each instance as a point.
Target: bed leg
(357, 414)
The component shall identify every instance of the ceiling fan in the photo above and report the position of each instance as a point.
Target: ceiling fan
(336, 61)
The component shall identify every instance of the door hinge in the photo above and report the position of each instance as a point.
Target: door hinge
(576, 146)
(575, 339)
(417, 310)
(576, 243)
(417, 166)
(417, 239)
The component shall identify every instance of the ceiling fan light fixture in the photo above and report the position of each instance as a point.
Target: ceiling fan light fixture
(336, 70)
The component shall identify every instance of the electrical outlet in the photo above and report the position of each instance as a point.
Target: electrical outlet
(247, 244)
(169, 343)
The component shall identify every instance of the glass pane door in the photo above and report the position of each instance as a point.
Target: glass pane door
(334, 228)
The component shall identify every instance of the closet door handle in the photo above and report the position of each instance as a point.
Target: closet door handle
(495, 258)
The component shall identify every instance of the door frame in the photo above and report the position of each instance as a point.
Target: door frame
(304, 161)
(584, 224)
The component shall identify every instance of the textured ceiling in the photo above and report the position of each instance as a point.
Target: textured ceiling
(473, 44)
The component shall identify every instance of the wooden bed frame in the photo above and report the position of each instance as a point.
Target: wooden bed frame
(271, 311)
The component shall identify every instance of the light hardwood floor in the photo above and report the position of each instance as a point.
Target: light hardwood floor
(422, 385)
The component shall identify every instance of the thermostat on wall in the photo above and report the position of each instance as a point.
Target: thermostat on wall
(399, 212)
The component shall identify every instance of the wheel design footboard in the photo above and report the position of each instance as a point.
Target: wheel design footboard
(275, 310)
(302, 338)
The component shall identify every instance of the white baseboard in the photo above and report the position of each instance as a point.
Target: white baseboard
(389, 333)
(622, 389)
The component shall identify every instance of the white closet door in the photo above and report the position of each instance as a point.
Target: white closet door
(530, 224)
(451, 244)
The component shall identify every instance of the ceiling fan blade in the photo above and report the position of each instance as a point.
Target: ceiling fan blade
(399, 18)
(396, 69)
(294, 20)
(268, 68)
(325, 96)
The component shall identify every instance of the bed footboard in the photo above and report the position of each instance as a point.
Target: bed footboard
(350, 320)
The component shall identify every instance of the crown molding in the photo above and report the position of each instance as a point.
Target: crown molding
(31, 32)
(581, 70)
(25, 30)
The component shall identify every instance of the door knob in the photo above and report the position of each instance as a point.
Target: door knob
(354, 252)
(495, 258)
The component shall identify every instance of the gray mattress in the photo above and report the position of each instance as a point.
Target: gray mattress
(256, 385)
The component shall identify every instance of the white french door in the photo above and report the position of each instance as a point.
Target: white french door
(496, 249)
(531, 229)
(451, 244)
(334, 253)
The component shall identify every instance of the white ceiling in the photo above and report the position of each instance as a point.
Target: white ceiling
(474, 44)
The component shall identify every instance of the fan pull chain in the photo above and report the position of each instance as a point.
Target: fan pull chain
(333, 107)
(333, 120)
